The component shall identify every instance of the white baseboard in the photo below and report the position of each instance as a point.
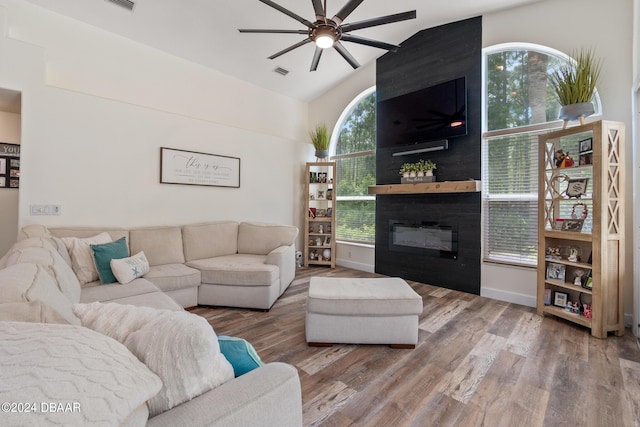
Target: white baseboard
(501, 295)
(355, 265)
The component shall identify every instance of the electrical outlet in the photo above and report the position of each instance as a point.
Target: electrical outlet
(45, 209)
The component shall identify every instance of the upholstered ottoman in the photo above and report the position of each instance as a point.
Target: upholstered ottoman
(362, 311)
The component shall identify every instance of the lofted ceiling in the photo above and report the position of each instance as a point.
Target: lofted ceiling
(206, 32)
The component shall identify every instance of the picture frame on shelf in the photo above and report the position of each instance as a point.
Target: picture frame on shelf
(587, 281)
(560, 299)
(321, 213)
(556, 271)
(313, 177)
(327, 241)
(576, 187)
(572, 224)
(547, 296)
(585, 145)
(320, 195)
(330, 194)
(322, 177)
(585, 159)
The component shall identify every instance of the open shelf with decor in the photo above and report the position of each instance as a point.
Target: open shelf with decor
(581, 226)
(319, 223)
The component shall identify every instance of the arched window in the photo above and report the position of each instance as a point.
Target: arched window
(518, 105)
(353, 147)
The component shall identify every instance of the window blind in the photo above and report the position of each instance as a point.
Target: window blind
(510, 198)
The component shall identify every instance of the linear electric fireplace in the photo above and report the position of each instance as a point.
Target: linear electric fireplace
(425, 237)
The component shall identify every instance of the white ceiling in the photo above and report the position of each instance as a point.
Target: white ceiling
(206, 32)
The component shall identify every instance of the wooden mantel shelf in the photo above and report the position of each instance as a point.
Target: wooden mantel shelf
(470, 186)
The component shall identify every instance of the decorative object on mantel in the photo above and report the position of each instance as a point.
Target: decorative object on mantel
(421, 171)
(574, 84)
(320, 140)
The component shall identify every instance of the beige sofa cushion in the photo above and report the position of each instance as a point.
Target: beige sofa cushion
(83, 232)
(170, 277)
(49, 258)
(259, 238)
(33, 283)
(161, 245)
(210, 239)
(240, 270)
(98, 292)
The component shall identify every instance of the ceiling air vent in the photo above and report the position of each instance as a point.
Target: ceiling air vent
(281, 71)
(127, 4)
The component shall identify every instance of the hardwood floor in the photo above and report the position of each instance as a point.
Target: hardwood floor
(478, 362)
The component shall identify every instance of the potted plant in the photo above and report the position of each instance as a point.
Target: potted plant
(320, 140)
(574, 84)
(405, 170)
(427, 166)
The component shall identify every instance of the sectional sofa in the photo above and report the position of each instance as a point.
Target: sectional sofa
(61, 331)
(218, 263)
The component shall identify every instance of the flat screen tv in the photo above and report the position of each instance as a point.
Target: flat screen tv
(429, 114)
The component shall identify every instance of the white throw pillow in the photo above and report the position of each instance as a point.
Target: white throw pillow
(91, 379)
(82, 257)
(49, 258)
(178, 346)
(33, 283)
(127, 269)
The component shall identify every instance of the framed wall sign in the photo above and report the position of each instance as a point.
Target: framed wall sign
(193, 168)
(9, 165)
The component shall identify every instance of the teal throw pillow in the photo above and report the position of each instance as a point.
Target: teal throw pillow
(104, 253)
(240, 354)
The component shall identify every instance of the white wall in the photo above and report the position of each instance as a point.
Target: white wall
(97, 108)
(605, 26)
(9, 133)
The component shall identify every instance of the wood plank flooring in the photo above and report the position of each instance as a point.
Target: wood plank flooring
(478, 362)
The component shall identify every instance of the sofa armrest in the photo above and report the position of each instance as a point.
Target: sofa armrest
(285, 258)
(267, 396)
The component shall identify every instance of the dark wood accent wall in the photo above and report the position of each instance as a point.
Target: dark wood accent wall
(430, 57)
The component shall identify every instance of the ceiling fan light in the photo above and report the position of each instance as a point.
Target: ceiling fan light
(324, 41)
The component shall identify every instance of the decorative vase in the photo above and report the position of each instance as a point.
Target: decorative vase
(405, 175)
(574, 112)
(326, 254)
(412, 174)
(420, 173)
(322, 154)
(429, 173)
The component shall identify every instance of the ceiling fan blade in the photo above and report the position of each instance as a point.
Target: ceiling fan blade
(346, 11)
(316, 58)
(275, 31)
(346, 55)
(287, 12)
(319, 9)
(290, 48)
(382, 20)
(369, 42)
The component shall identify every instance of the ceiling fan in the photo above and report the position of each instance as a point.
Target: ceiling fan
(326, 33)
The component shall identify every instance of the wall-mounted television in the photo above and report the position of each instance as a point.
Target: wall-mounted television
(433, 113)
